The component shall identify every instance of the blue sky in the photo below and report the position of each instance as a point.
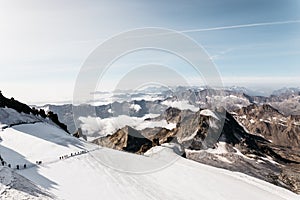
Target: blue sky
(45, 42)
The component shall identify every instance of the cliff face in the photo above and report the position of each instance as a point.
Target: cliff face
(270, 123)
(126, 139)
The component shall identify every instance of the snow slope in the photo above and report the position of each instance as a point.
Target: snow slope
(10, 116)
(14, 186)
(87, 176)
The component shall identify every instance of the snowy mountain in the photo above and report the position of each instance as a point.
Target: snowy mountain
(286, 91)
(42, 161)
(84, 176)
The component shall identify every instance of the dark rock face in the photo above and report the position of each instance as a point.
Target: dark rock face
(136, 142)
(14, 104)
(159, 135)
(79, 134)
(127, 139)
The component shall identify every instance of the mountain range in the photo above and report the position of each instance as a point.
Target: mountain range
(233, 140)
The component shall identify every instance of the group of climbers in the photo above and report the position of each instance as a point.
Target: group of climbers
(4, 163)
(72, 154)
(39, 162)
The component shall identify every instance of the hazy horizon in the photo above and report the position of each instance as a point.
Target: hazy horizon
(254, 44)
(253, 91)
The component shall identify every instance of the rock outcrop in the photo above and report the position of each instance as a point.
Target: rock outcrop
(126, 139)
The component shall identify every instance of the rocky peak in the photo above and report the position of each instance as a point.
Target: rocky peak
(126, 139)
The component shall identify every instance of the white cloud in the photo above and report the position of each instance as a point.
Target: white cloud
(182, 105)
(108, 126)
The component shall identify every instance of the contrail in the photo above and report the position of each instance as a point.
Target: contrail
(241, 26)
(224, 28)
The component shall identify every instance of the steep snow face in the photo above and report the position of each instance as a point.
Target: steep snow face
(210, 113)
(165, 150)
(10, 116)
(28, 143)
(88, 175)
(14, 186)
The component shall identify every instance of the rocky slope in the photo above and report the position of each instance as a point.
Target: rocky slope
(232, 147)
(15, 186)
(268, 122)
(127, 139)
(283, 133)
